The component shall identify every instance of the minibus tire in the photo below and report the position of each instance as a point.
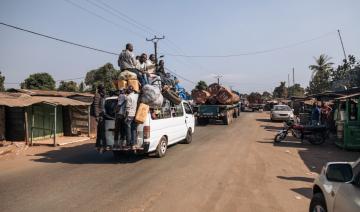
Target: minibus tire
(188, 138)
(161, 148)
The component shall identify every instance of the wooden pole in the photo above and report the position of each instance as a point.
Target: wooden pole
(89, 121)
(55, 125)
(26, 127)
(32, 124)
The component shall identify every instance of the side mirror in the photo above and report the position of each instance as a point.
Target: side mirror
(292, 110)
(339, 172)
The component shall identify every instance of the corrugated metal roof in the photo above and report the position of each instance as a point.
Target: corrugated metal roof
(33, 92)
(349, 96)
(24, 100)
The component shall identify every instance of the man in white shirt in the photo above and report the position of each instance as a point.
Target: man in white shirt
(130, 112)
(151, 64)
(126, 59)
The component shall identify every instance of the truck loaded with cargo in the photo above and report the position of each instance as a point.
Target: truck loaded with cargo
(216, 103)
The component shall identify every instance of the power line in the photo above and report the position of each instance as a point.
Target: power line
(58, 39)
(180, 76)
(116, 12)
(103, 18)
(72, 43)
(254, 52)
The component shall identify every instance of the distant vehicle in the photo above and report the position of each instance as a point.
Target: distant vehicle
(337, 189)
(226, 113)
(173, 123)
(281, 113)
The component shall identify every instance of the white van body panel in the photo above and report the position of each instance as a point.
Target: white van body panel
(174, 129)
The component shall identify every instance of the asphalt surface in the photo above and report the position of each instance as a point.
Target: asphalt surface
(225, 168)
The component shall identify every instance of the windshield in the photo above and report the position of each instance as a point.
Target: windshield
(282, 108)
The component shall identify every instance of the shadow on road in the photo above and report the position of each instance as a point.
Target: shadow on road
(304, 179)
(85, 154)
(306, 192)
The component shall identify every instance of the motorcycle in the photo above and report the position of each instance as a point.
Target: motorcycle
(315, 134)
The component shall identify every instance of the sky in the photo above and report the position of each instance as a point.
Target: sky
(202, 27)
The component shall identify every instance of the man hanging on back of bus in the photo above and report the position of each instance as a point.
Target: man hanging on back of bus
(130, 112)
(128, 62)
(120, 120)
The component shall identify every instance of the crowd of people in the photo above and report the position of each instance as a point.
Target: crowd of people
(321, 114)
(148, 71)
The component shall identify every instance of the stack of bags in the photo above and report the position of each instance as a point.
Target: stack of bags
(150, 95)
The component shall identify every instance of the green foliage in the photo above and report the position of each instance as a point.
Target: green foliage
(254, 97)
(321, 71)
(296, 90)
(266, 95)
(280, 91)
(201, 85)
(346, 74)
(40, 81)
(103, 75)
(81, 87)
(68, 86)
(2, 80)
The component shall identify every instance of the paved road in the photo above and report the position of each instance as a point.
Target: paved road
(233, 168)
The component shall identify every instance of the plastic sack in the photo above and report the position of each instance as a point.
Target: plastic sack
(151, 95)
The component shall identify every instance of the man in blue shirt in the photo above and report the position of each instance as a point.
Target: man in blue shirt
(315, 114)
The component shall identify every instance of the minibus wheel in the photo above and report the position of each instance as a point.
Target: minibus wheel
(161, 148)
(188, 137)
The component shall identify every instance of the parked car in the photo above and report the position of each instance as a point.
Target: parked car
(167, 125)
(281, 113)
(337, 189)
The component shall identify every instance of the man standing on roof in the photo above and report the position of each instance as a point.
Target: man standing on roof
(127, 59)
(130, 112)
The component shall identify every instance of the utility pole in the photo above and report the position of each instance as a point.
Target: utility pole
(293, 76)
(288, 84)
(155, 40)
(342, 44)
(218, 78)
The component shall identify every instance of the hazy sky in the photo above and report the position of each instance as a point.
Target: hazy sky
(191, 27)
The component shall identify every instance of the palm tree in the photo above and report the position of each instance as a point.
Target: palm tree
(322, 65)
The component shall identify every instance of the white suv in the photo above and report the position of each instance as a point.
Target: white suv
(337, 189)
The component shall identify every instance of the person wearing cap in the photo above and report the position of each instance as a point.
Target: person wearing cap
(130, 112)
(98, 110)
(120, 119)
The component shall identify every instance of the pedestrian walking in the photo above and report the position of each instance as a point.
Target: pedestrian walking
(98, 108)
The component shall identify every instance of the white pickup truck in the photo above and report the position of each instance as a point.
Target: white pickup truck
(173, 124)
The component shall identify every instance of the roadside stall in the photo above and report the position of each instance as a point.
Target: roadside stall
(347, 120)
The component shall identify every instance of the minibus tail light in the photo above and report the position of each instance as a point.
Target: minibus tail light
(146, 132)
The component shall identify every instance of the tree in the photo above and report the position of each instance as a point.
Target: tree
(81, 87)
(68, 86)
(40, 81)
(296, 90)
(201, 85)
(2, 80)
(320, 79)
(266, 96)
(280, 91)
(346, 74)
(254, 97)
(103, 75)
